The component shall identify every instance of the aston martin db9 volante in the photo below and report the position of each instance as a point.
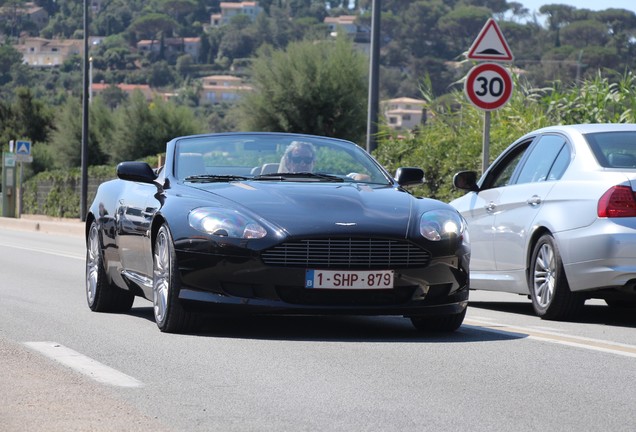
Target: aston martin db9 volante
(554, 217)
(273, 223)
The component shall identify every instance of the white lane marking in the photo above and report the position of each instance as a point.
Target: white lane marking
(83, 364)
(46, 251)
(548, 329)
(558, 338)
(483, 319)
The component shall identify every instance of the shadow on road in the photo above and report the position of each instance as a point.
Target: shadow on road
(591, 314)
(330, 329)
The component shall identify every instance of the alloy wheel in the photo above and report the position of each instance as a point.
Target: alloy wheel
(161, 280)
(544, 277)
(92, 265)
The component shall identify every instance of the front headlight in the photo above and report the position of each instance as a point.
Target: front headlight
(225, 223)
(437, 225)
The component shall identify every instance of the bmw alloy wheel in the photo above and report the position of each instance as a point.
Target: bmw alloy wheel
(549, 289)
(544, 276)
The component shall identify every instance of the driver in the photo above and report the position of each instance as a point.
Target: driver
(299, 157)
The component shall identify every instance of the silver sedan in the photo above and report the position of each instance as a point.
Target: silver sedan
(554, 218)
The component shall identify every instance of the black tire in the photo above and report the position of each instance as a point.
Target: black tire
(441, 323)
(101, 295)
(550, 292)
(170, 315)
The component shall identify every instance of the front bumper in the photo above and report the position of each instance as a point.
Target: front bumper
(236, 285)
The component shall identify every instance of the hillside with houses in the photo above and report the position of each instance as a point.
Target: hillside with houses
(198, 52)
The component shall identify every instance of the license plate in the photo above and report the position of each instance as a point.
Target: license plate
(328, 279)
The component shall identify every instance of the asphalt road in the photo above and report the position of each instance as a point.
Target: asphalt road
(65, 368)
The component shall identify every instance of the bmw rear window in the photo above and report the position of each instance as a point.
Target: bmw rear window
(614, 149)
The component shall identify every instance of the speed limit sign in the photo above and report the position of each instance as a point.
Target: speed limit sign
(488, 86)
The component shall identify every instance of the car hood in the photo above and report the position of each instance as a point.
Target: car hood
(324, 208)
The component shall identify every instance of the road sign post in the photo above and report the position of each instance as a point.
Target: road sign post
(488, 86)
(8, 185)
(22, 155)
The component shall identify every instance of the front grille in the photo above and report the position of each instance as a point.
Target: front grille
(347, 253)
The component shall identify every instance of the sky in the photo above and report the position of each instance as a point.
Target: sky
(595, 5)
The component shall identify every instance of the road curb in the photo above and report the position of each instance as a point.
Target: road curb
(44, 224)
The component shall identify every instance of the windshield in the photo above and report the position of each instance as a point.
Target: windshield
(273, 157)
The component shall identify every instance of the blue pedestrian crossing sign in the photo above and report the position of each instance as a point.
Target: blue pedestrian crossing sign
(23, 148)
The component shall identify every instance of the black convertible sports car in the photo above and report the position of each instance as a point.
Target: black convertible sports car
(266, 223)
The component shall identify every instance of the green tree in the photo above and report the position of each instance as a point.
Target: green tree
(311, 87)
(113, 18)
(177, 9)
(459, 27)
(621, 26)
(558, 16)
(66, 22)
(25, 117)
(150, 26)
(113, 96)
(113, 53)
(237, 41)
(422, 19)
(9, 57)
(66, 140)
(143, 128)
(161, 74)
(585, 33)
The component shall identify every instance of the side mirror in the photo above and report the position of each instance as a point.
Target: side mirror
(466, 180)
(136, 171)
(408, 176)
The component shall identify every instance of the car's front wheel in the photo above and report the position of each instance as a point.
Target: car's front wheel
(101, 295)
(441, 323)
(170, 315)
(549, 289)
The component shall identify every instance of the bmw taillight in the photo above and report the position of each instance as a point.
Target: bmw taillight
(618, 201)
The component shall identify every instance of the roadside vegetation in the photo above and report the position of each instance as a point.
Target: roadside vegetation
(452, 139)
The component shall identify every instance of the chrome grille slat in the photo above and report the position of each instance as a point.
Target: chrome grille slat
(347, 253)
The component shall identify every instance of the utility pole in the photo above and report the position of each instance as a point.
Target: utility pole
(374, 72)
(85, 96)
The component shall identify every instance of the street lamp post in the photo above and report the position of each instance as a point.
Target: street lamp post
(85, 97)
(374, 72)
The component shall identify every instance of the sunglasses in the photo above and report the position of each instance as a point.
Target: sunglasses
(301, 159)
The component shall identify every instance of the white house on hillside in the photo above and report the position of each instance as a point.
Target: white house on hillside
(403, 113)
(49, 52)
(186, 45)
(347, 23)
(229, 10)
(222, 88)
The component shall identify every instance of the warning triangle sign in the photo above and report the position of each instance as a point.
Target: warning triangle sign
(490, 44)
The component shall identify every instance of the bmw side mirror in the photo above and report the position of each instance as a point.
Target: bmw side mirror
(466, 180)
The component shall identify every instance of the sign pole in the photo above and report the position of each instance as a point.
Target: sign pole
(488, 85)
(18, 193)
(486, 143)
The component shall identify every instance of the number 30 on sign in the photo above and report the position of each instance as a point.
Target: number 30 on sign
(488, 86)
